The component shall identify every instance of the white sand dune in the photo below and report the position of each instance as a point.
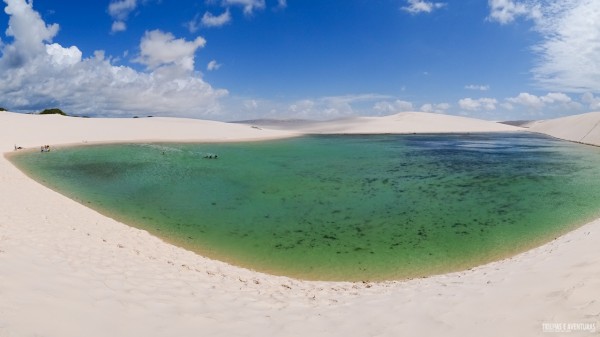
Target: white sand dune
(584, 128)
(35, 130)
(402, 123)
(66, 270)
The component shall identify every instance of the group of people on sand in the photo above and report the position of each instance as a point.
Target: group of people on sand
(45, 148)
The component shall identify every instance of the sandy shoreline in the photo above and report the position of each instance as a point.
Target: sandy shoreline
(66, 270)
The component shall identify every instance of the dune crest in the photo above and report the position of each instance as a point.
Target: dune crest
(401, 123)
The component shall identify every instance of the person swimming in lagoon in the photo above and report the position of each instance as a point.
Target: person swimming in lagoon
(211, 156)
(45, 148)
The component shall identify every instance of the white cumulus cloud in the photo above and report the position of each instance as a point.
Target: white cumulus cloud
(479, 87)
(302, 108)
(63, 56)
(568, 55)
(213, 65)
(592, 101)
(436, 108)
(391, 107)
(471, 104)
(118, 26)
(422, 6)
(327, 107)
(119, 10)
(506, 11)
(210, 20)
(48, 74)
(29, 32)
(527, 100)
(556, 97)
(159, 49)
(251, 104)
(339, 106)
(552, 100)
(249, 5)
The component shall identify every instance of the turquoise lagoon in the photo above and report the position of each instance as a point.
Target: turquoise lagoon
(366, 207)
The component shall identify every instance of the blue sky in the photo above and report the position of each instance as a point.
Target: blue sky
(245, 59)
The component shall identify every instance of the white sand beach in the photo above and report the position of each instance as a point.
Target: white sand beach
(66, 270)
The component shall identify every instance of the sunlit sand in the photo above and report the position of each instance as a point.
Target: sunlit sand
(66, 270)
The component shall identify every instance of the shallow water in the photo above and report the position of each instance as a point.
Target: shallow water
(369, 207)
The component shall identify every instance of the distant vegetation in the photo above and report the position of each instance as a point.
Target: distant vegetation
(2, 109)
(53, 112)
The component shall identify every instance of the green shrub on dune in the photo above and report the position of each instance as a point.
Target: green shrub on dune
(54, 111)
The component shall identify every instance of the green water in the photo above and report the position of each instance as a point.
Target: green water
(339, 207)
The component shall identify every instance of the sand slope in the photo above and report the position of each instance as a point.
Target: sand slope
(66, 270)
(34, 130)
(405, 122)
(583, 128)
